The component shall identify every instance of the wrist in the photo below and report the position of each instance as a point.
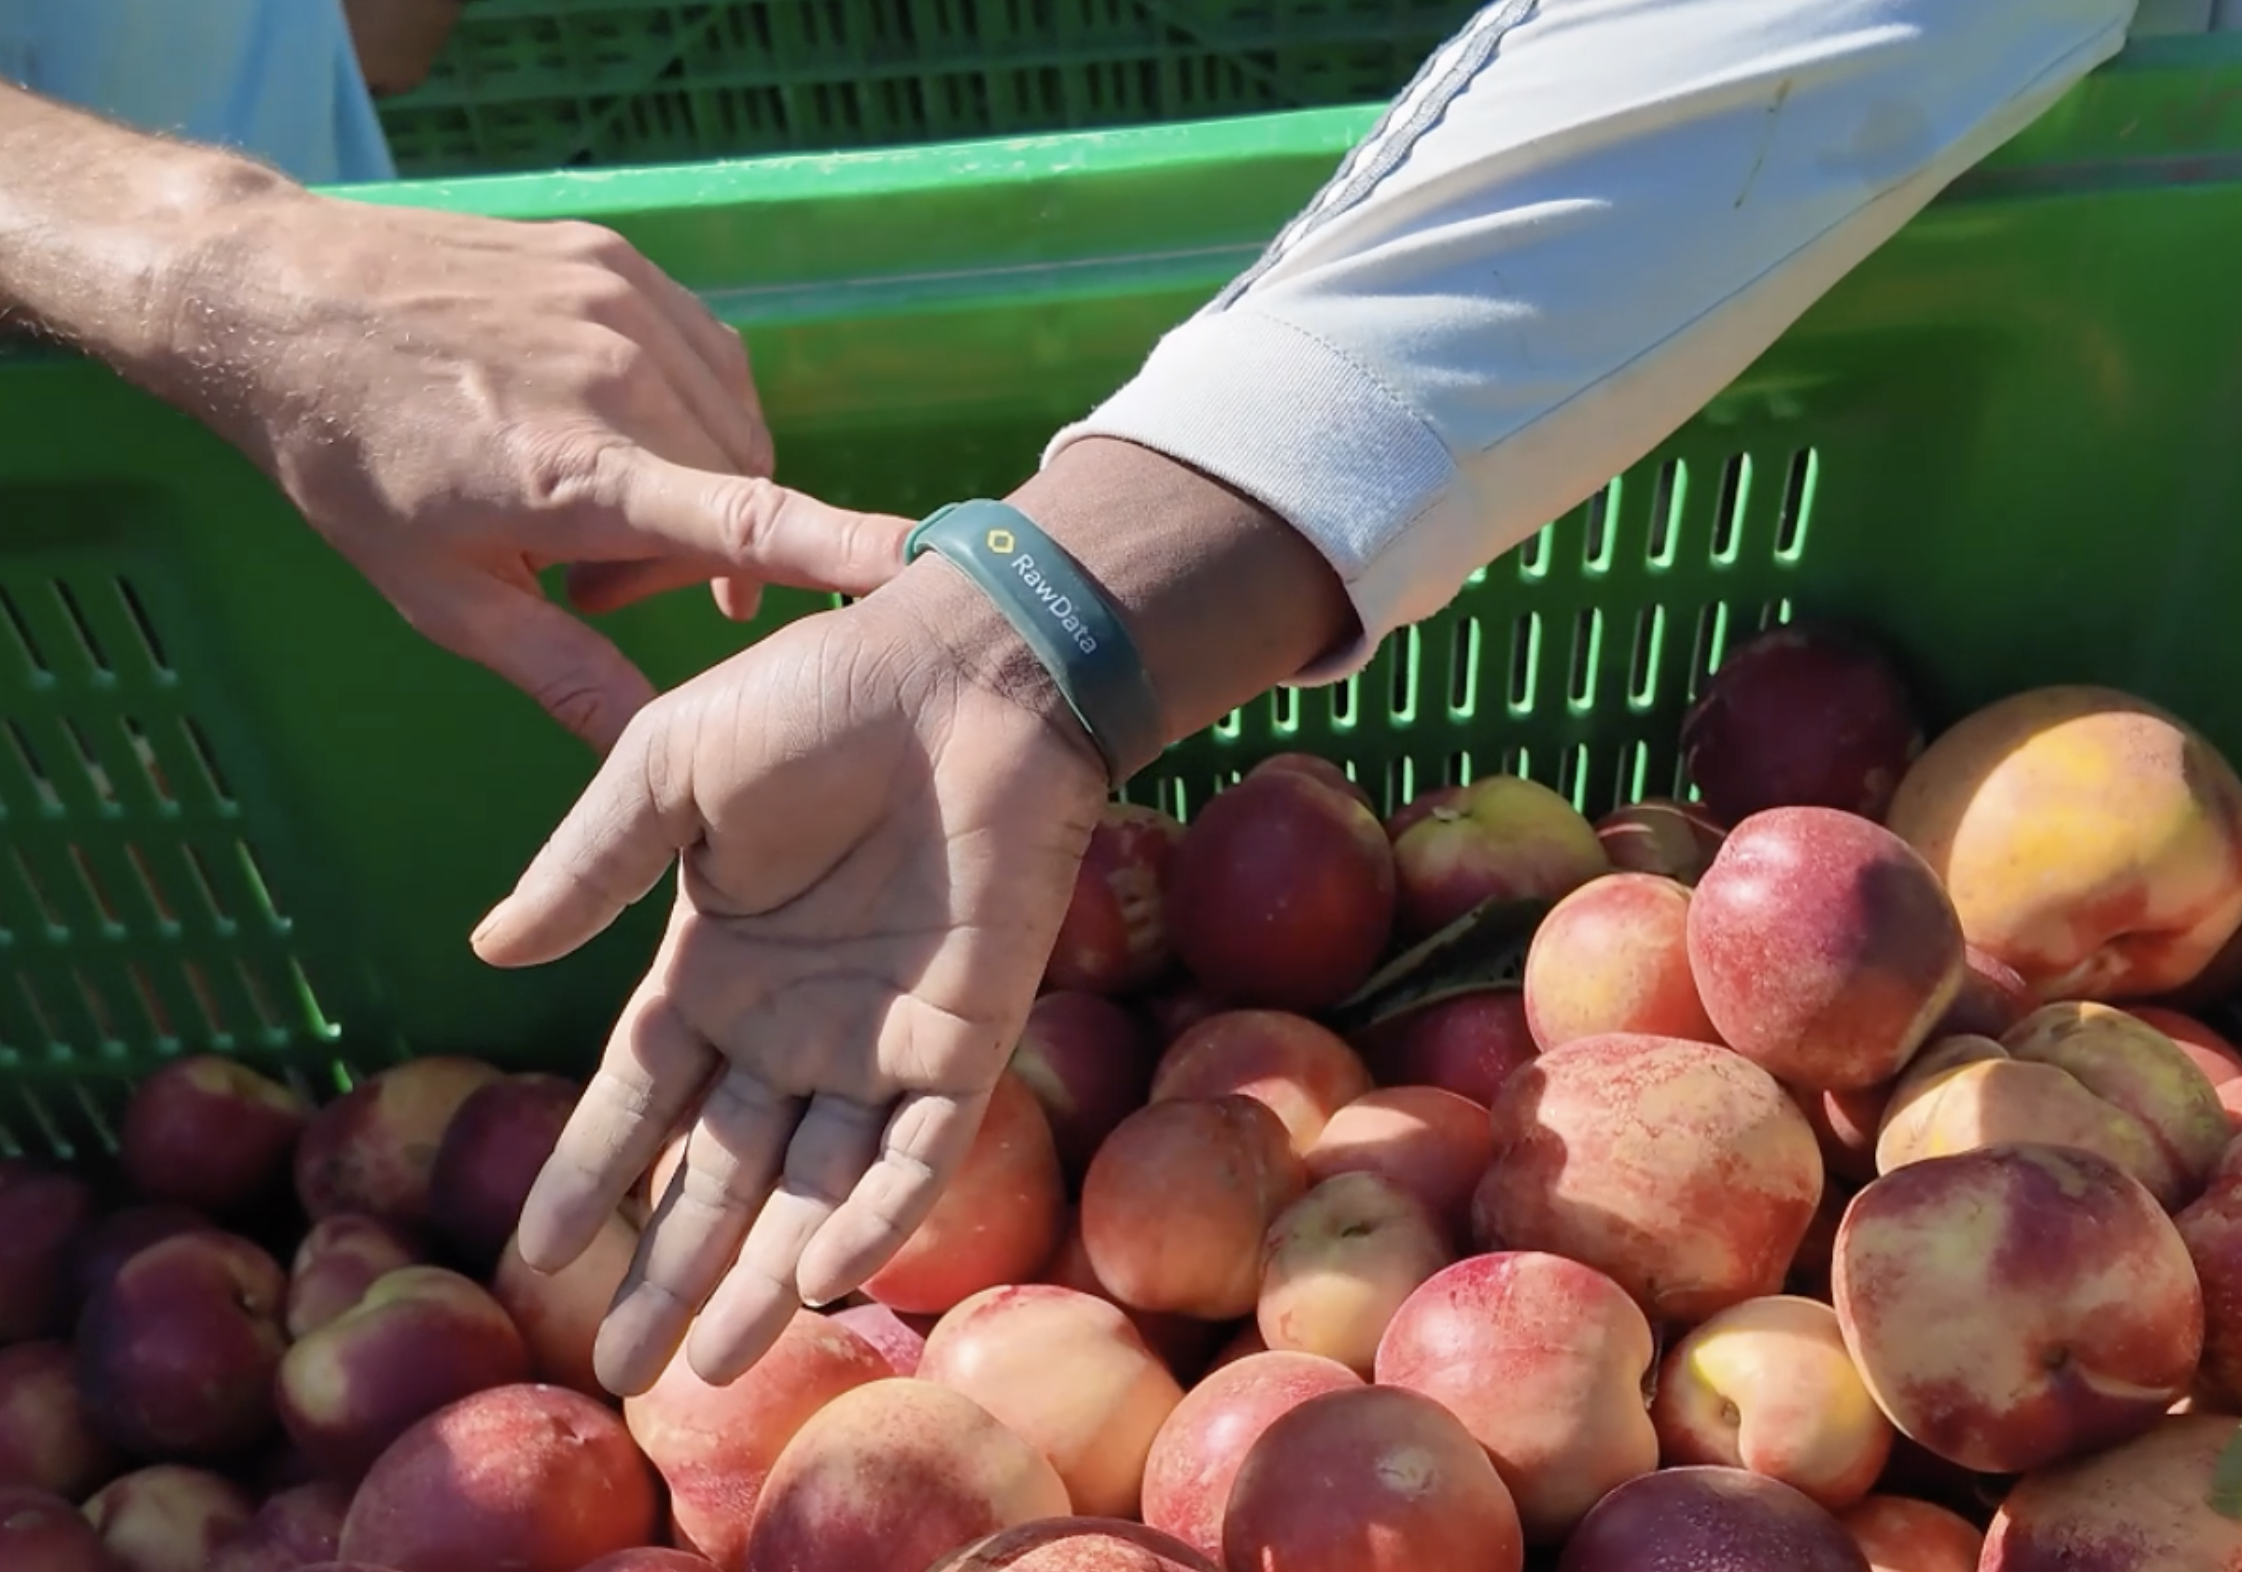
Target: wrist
(1223, 598)
(100, 224)
(212, 226)
(932, 600)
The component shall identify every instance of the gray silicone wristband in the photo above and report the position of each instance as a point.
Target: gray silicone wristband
(1064, 618)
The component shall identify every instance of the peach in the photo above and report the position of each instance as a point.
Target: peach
(2152, 1504)
(47, 1440)
(1709, 1517)
(1089, 1063)
(1114, 937)
(1992, 998)
(1183, 1341)
(902, 1343)
(1369, 1479)
(1177, 1008)
(714, 1446)
(1281, 892)
(1801, 715)
(338, 1259)
(2016, 1304)
(1467, 1043)
(2166, 1094)
(1544, 1361)
(420, 1338)
(210, 1133)
(2211, 1228)
(168, 1517)
(650, 1558)
(1681, 1170)
(559, 1313)
(1823, 947)
(176, 1354)
(1845, 1126)
(2090, 839)
(1899, 1534)
(893, 1475)
(1077, 1544)
(1613, 956)
(301, 1524)
(41, 1532)
(115, 1237)
(1096, 1422)
(2217, 1058)
(1767, 1385)
(1178, 1198)
(1502, 837)
(1196, 1455)
(373, 1149)
(42, 1213)
(1338, 1262)
(1432, 1143)
(488, 1158)
(996, 1221)
(2081, 1075)
(1677, 840)
(532, 1478)
(2213, 1054)
(1316, 768)
(1301, 1070)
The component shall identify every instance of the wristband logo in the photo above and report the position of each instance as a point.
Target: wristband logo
(1000, 541)
(1054, 600)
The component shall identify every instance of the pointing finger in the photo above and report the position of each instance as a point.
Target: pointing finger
(755, 526)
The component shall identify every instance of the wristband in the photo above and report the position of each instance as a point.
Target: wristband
(1064, 617)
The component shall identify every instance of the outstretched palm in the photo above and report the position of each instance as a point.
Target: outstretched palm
(877, 852)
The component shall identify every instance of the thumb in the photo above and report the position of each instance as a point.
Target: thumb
(757, 527)
(608, 851)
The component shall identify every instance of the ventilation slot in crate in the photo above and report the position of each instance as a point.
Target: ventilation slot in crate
(1568, 630)
(137, 919)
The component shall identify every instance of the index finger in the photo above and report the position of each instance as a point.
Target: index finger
(755, 526)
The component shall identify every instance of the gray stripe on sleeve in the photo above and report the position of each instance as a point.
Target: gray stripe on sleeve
(1417, 109)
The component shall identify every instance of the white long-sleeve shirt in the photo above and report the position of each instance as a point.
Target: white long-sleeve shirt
(1578, 225)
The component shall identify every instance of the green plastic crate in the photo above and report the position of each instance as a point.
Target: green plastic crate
(553, 84)
(242, 807)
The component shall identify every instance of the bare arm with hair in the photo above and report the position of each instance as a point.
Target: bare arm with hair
(454, 402)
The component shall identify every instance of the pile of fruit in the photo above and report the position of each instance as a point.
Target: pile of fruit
(1836, 1174)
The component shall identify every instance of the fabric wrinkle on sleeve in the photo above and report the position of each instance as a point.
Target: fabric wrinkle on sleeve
(1578, 225)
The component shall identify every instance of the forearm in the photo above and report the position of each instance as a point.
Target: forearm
(1587, 218)
(1223, 599)
(99, 223)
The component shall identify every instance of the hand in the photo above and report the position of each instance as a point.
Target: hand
(458, 402)
(881, 811)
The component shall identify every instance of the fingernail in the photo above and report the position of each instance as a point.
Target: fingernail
(492, 921)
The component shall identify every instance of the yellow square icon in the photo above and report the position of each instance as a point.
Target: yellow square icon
(1000, 541)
